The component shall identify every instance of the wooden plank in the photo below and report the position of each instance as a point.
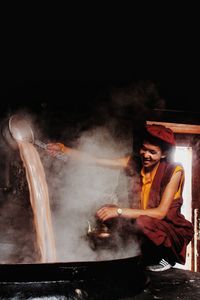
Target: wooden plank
(179, 128)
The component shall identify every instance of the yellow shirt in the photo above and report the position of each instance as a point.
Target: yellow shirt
(147, 179)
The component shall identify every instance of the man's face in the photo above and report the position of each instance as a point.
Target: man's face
(150, 155)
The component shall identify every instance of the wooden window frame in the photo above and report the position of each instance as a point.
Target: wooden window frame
(179, 128)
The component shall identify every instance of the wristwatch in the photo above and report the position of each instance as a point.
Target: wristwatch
(119, 212)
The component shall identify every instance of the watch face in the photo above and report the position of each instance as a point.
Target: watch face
(119, 211)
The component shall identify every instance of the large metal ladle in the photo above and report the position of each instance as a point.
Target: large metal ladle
(20, 130)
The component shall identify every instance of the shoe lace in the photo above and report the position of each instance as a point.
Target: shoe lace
(163, 262)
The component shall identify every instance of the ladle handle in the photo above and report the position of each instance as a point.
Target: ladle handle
(42, 145)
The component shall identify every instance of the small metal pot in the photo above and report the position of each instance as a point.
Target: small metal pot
(103, 235)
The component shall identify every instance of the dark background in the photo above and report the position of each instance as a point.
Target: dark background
(83, 102)
(181, 94)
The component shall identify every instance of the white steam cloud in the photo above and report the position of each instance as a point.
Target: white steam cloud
(77, 190)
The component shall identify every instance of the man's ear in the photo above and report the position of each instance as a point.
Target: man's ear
(164, 155)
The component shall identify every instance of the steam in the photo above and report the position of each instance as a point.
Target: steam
(78, 190)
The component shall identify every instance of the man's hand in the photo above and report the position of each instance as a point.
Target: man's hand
(54, 148)
(107, 212)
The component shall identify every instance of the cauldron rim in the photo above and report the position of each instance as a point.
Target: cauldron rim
(93, 278)
(76, 263)
(77, 271)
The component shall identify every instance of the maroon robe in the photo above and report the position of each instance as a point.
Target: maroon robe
(173, 232)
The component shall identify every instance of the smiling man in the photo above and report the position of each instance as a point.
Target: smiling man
(162, 230)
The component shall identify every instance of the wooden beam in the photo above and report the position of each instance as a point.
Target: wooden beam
(179, 128)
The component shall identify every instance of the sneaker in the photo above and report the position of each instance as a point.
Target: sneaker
(163, 265)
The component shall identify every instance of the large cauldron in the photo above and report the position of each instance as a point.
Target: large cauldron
(111, 279)
(77, 280)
